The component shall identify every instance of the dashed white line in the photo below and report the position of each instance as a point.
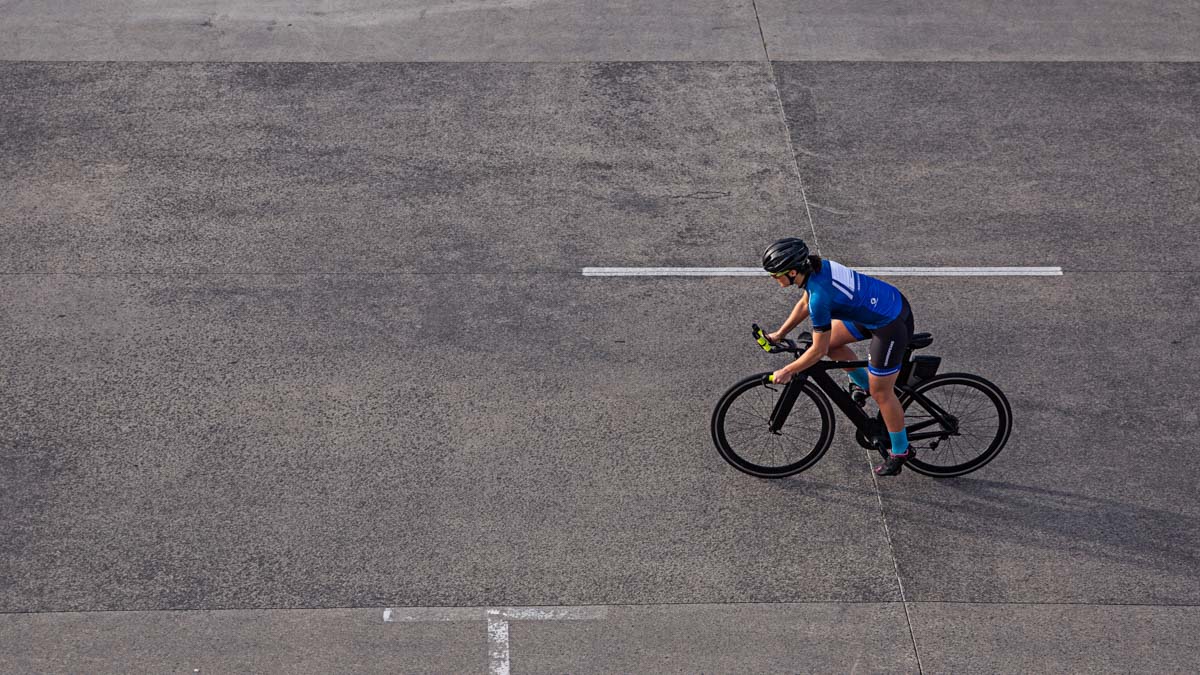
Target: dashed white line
(872, 271)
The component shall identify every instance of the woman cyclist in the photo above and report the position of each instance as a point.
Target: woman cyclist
(846, 307)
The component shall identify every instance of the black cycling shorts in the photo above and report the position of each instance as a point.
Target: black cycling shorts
(888, 343)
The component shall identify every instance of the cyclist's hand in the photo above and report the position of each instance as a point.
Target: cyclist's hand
(762, 338)
(781, 376)
(775, 337)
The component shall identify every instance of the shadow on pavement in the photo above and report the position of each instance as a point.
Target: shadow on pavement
(1036, 517)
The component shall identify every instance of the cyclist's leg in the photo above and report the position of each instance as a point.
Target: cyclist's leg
(888, 346)
(843, 334)
(882, 390)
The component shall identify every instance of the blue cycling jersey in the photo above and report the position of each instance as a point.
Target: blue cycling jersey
(838, 292)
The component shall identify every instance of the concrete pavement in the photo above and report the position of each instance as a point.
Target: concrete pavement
(610, 30)
(289, 343)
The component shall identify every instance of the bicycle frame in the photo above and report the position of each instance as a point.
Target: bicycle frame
(867, 425)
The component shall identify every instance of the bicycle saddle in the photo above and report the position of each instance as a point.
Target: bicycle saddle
(920, 341)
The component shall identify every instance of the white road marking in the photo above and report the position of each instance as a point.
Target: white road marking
(963, 271)
(553, 614)
(497, 623)
(581, 613)
(498, 663)
(871, 271)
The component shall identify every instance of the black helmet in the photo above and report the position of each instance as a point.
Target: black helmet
(786, 254)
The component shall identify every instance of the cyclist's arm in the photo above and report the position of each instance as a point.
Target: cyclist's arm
(799, 313)
(818, 350)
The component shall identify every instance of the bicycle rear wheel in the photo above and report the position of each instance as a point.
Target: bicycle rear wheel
(740, 428)
(980, 421)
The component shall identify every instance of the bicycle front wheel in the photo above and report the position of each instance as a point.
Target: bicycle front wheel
(741, 428)
(965, 426)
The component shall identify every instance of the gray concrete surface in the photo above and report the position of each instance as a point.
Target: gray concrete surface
(388, 167)
(954, 638)
(1093, 500)
(969, 638)
(252, 641)
(245, 366)
(219, 441)
(1087, 166)
(545, 30)
(359, 30)
(678, 638)
(1027, 30)
(818, 637)
(289, 479)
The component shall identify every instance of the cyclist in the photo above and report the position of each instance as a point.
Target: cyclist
(846, 307)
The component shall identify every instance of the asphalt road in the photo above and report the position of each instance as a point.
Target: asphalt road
(294, 332)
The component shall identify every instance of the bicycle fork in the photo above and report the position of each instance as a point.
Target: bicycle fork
(783, 406)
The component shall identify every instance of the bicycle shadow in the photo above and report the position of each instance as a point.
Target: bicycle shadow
(1043, 518)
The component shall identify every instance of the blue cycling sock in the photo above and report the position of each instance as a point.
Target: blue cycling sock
(859, 376)
(899, 441)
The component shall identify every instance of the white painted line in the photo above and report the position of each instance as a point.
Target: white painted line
(497, 623)
(553, 614)
(580, 613)
(872, 271)
(963, 271)
(673, 272)
(498, 663)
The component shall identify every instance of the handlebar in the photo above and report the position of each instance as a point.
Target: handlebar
(785, 346)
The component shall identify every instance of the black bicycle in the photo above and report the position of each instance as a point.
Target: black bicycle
(957, 422)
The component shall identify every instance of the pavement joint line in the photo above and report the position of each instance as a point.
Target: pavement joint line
(874, 271)
(787, 130)
(887, 533)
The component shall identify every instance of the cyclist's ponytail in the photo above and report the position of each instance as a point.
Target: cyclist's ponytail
(814, 263)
